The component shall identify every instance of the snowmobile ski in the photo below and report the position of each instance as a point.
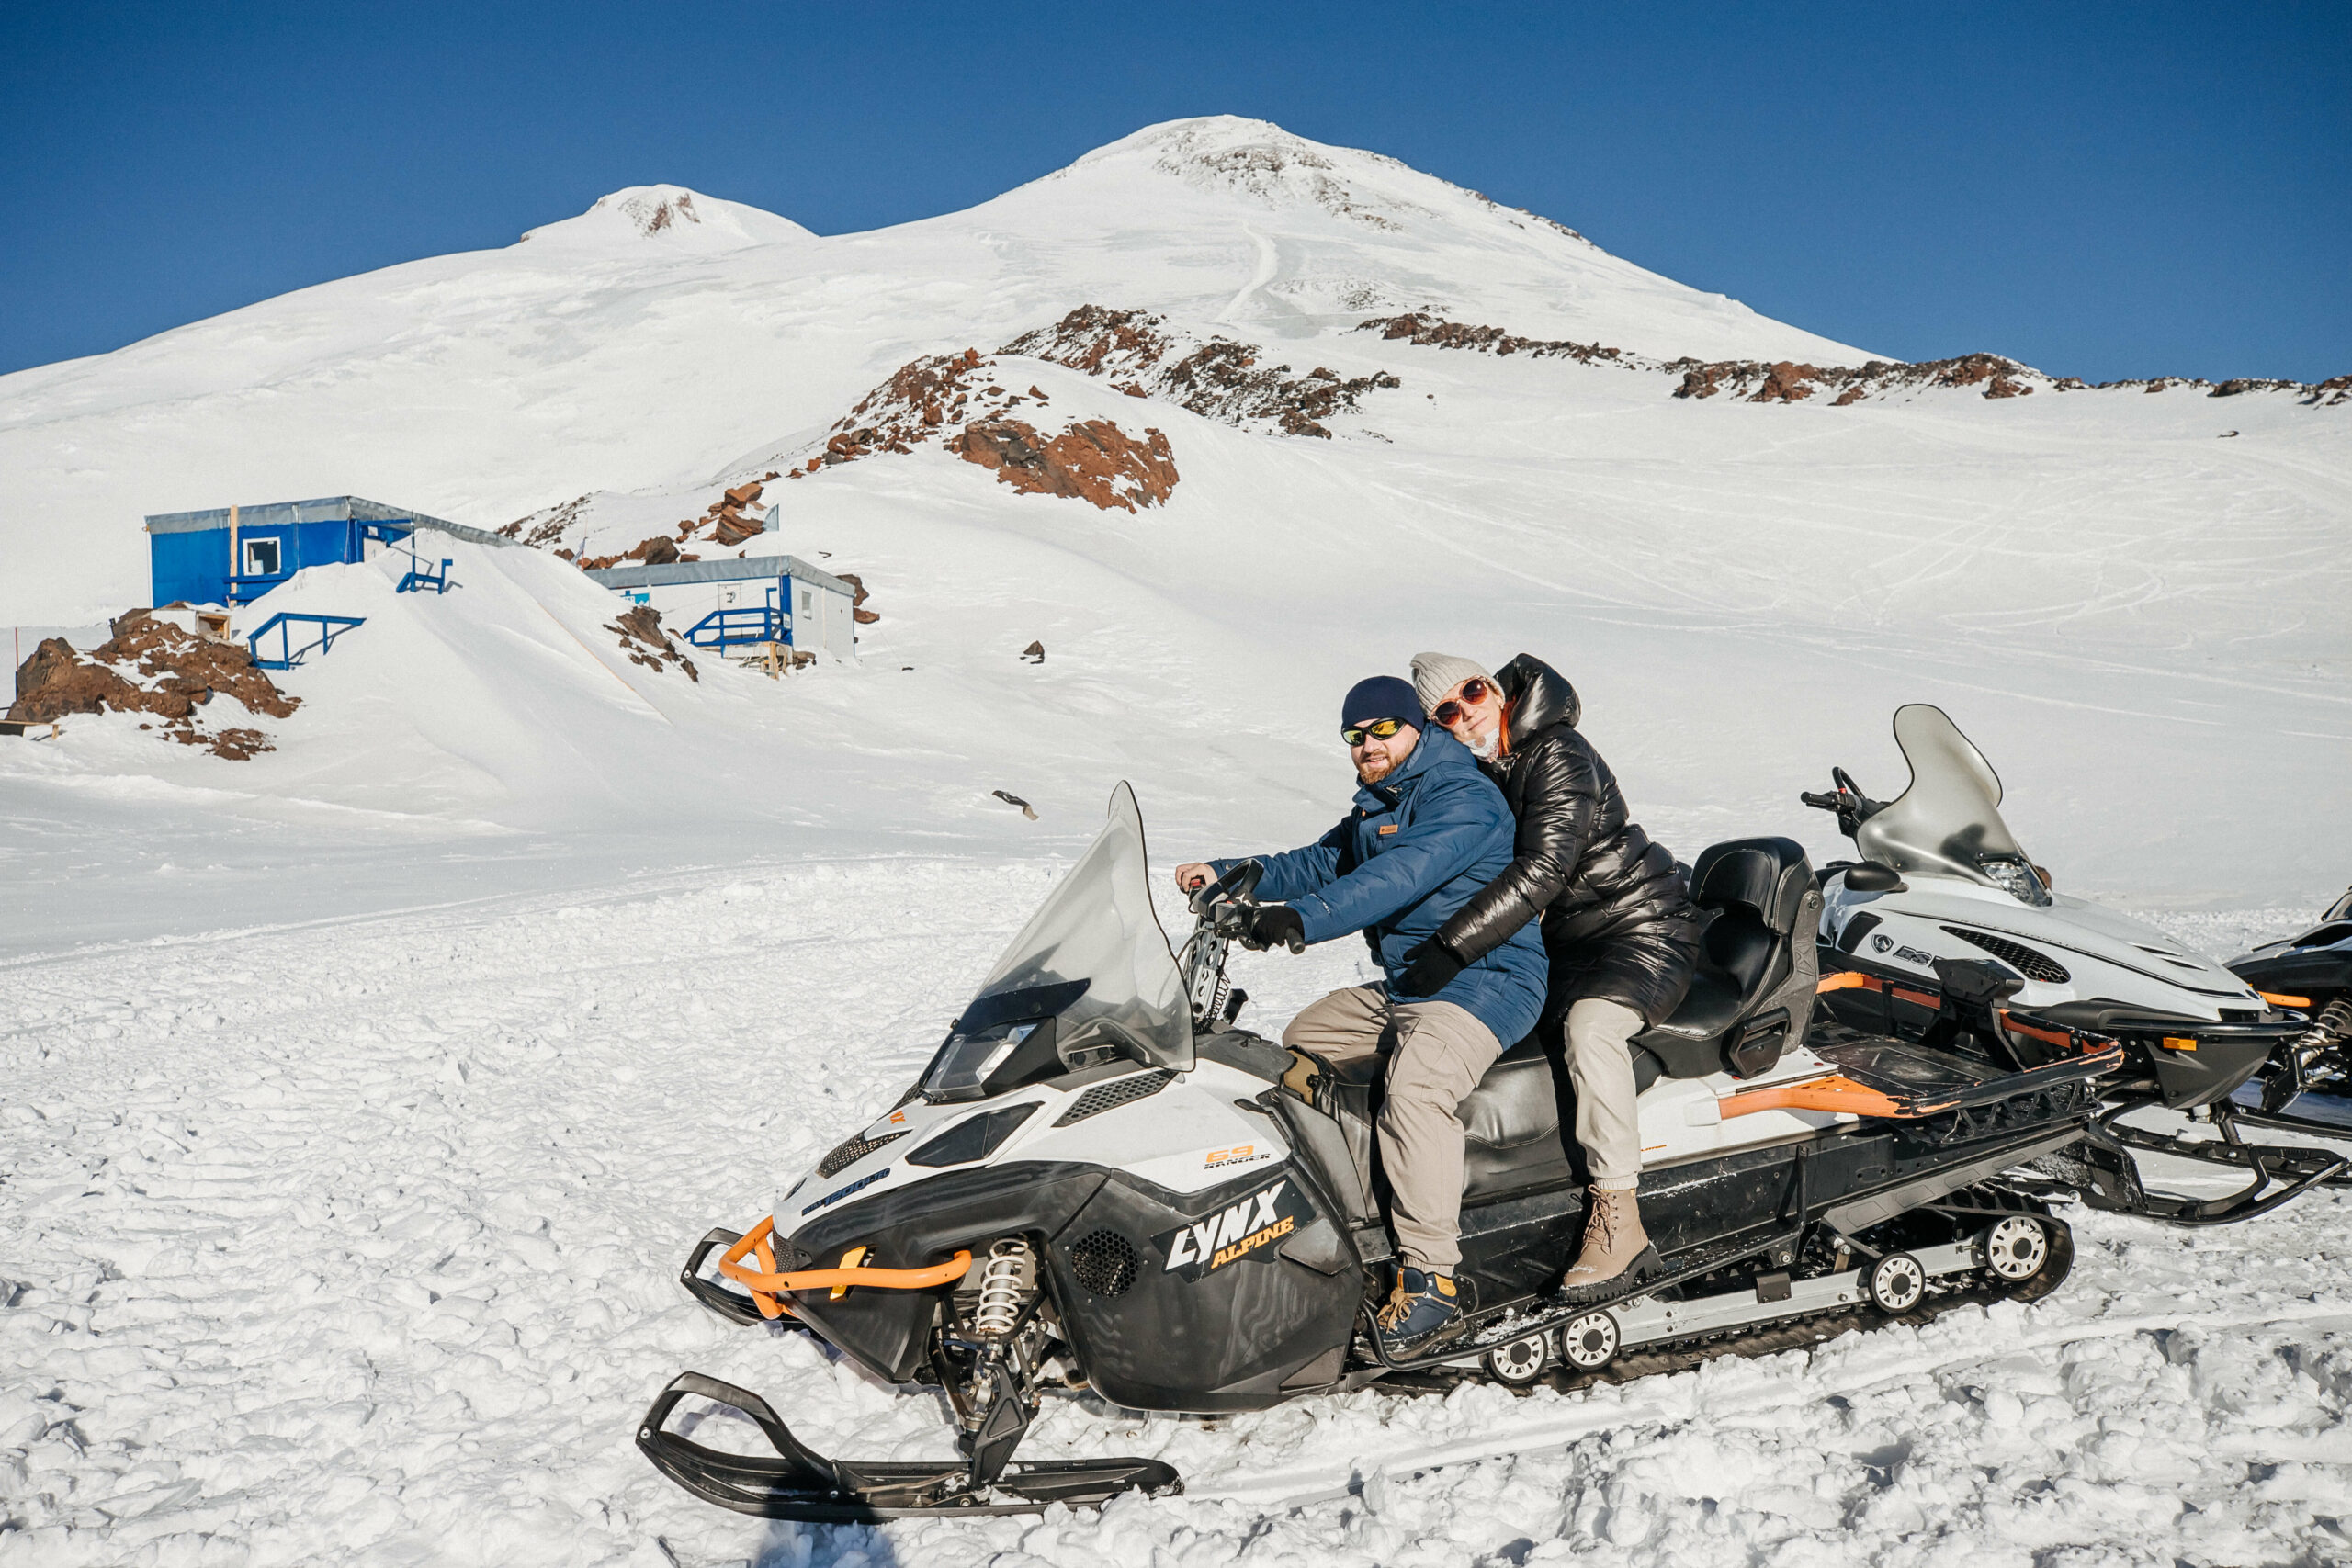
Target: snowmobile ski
(798, 1483)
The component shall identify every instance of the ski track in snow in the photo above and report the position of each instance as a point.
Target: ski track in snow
(357, 1243)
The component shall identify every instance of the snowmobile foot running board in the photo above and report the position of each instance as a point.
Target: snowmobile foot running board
(1681, 1267)
(2292, 1172)
(798, 1483)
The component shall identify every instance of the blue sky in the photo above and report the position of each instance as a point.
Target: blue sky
(2105, 191)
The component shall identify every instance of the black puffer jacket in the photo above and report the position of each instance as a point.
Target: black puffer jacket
(1616, 909)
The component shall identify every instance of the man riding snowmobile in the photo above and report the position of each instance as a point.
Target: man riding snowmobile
(1614, 910)
(1426, 833)
(1102, 1181)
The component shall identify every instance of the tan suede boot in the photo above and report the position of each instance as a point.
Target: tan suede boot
(1617, 1252)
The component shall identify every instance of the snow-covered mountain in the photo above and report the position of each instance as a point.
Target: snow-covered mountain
(1340, 412)
(664, 332)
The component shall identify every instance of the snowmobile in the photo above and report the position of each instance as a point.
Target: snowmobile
(2310, 1086)
(1944, 890)
(1102, 1182)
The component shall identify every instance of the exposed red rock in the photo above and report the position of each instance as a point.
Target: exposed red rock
(154, 667)
(1220, 378)
(1093, 460)
(1758, 381)
(642, 638)
(1432, 332)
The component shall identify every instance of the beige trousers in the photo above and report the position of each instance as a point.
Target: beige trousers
(1601, 1064)
(1440, 1053)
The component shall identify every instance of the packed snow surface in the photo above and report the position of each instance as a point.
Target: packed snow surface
(357, 1243)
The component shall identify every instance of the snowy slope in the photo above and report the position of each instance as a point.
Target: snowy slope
(606, 352)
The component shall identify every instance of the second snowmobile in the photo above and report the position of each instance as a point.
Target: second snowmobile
(1944, 891)
(1101, 1182)
(2309, 1087)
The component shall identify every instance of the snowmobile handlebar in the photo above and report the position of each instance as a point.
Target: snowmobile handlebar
(1852, 807)
(1235, 886)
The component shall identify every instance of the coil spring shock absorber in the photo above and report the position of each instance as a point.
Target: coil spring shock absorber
(1004, 1288)
(2289, 1077)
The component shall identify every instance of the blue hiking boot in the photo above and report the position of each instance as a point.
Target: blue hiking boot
(1423, 1305)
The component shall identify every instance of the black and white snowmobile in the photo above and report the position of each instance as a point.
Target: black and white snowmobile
(1099, 1182)
(2310, 1086)
(1944, 893)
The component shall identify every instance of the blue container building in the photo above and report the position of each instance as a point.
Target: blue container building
(233, 555)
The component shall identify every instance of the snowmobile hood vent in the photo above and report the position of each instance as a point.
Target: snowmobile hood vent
(1111, 1096)
(856, 1149)
(2029, 962)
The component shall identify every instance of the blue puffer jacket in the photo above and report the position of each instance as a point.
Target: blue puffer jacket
(1419, 844)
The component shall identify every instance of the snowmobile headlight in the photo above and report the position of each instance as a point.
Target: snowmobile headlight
(965, 1065)
(2013, 877)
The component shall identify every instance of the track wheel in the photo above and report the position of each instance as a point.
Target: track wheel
(2017, 1248)
(1897, 1283)
(1518, 1363)
(1588, 1343)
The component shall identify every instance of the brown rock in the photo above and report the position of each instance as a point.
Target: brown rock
(642, 638)
(154, 667)
(1094, 461)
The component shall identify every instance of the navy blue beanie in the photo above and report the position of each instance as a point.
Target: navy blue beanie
(1382, 696)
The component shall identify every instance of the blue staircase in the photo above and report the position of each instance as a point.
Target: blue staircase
(319, 633)
(744, 624)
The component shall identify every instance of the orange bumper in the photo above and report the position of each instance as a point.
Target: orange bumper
(768, 1287)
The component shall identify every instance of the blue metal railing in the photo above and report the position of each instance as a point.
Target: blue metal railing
(749, 623)
(422, 576)
(324, 630)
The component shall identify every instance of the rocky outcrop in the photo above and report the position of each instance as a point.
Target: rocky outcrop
(733, 519)
(642, 638)
(1217, 378)
(1093, 460)
(1432, 332)
(152, 667)
(1787, 381)
(858, 612)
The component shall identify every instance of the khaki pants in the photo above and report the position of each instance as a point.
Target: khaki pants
(1601, 1066)
(1440, 1052)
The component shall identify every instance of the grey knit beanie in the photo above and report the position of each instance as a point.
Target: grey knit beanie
(1434, 674)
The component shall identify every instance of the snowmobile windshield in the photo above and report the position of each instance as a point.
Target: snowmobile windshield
(1949, 822)
(1094, 957)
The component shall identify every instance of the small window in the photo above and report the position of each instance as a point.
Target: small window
(808, 598)
(261, 557)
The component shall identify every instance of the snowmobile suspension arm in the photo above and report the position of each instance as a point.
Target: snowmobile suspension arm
(768, 1287)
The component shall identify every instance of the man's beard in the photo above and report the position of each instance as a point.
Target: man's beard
(1371, 773)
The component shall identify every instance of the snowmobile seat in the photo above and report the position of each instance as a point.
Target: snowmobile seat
(1513, 1123)
(1755, 893)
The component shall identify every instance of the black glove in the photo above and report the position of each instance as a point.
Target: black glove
(1429, 969)
(1275, 925)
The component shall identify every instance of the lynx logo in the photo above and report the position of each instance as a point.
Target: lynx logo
(1881, 943)
(1250, 1228)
